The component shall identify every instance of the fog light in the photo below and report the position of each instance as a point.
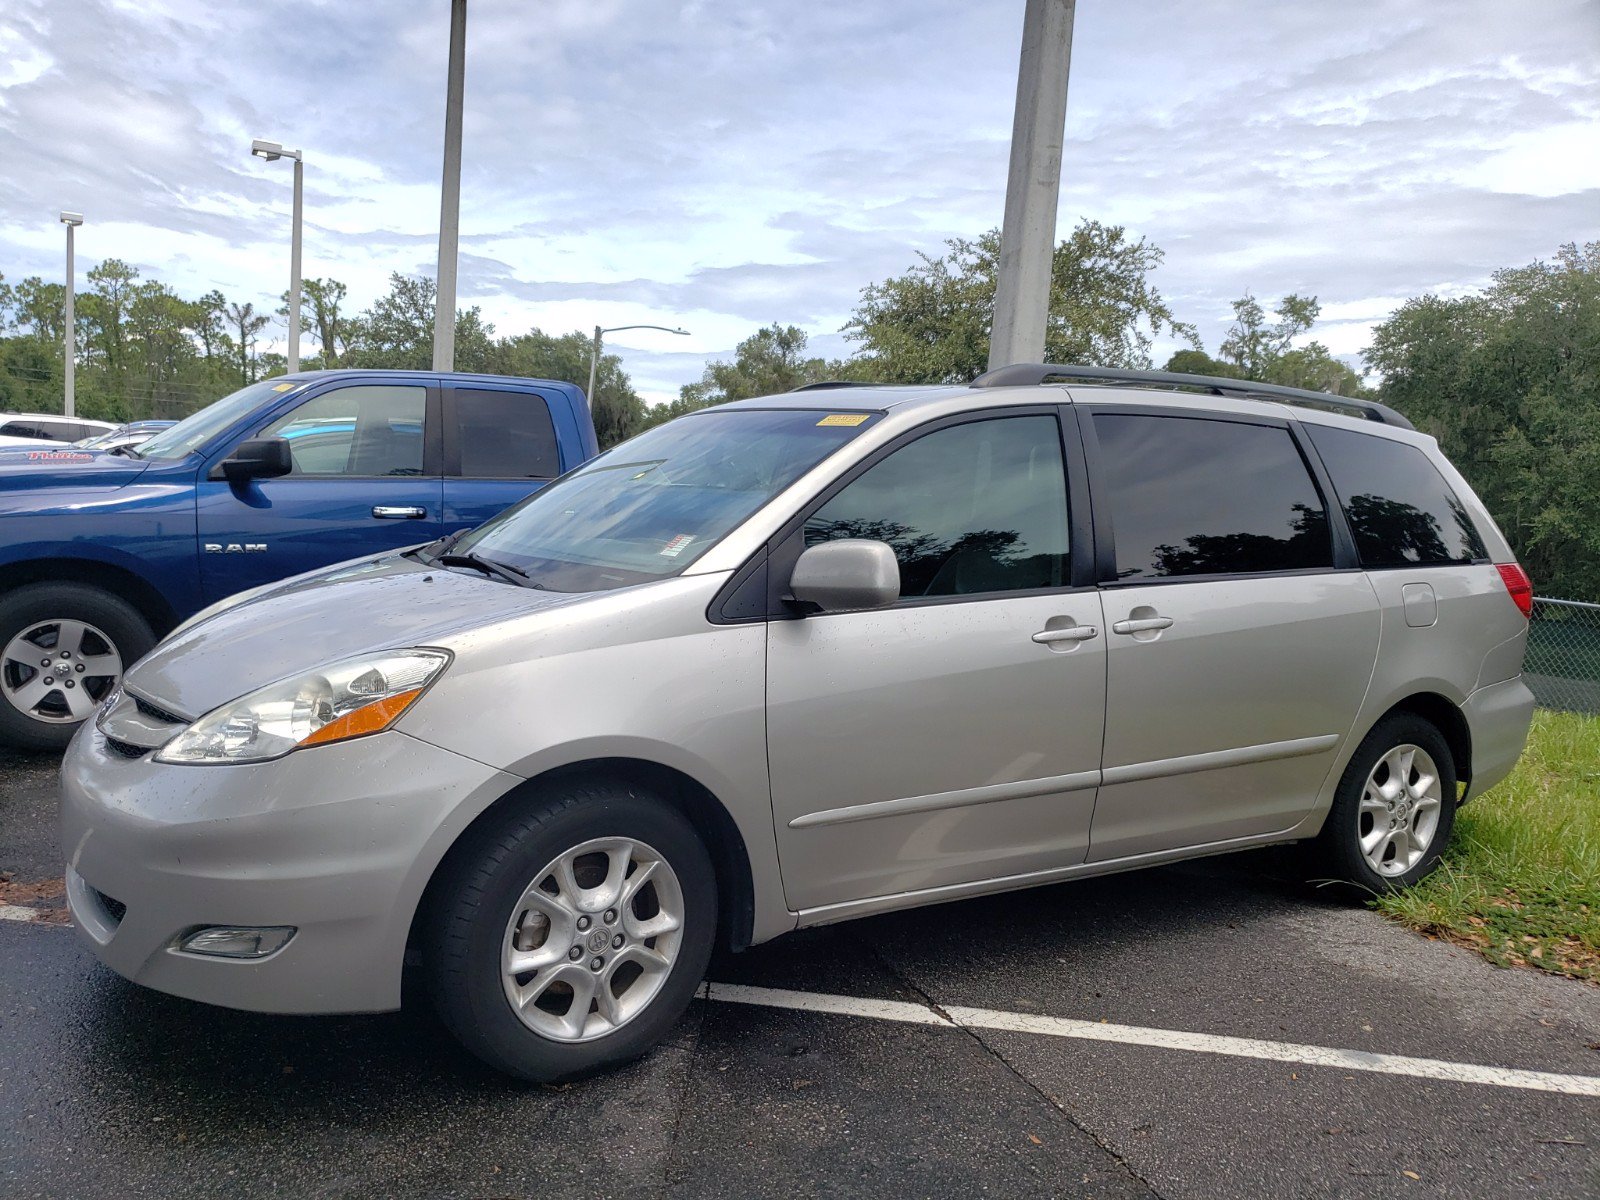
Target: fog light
(225, 942)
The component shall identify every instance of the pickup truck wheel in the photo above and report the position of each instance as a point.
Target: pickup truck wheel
(63, 648)
(1395, 809)
(570, 938)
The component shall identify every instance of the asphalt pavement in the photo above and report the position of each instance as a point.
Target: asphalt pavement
(108, 1090)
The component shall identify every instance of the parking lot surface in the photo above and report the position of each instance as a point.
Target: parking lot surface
(110, 1090)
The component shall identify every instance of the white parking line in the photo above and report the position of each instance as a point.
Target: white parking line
(1165, 1039)
(16, 912)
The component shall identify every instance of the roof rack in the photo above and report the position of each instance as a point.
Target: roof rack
(1024, 374)
(823, 385)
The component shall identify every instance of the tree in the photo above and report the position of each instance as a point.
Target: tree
(1255, 349)
(1252, 345)
(931, 325)
(207, 317)
(106, 309)
(326, 321)
(247, 323)
(1509, 382)
(397, 331)
(40, 309)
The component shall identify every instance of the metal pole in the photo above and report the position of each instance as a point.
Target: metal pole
(444, 313)
(594, 367)
(1027, 241)
(70, 405)
(294, 273)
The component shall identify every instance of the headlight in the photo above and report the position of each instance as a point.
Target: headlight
(346, 700)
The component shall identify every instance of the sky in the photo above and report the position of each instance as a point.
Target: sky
(720, 166)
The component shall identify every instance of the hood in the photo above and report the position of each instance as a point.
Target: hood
(24, 468)
(384, 604)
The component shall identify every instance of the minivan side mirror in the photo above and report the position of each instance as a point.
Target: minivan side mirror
(849, 575)
(258, 458)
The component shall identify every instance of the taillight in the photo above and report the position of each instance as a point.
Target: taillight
(1518, 585)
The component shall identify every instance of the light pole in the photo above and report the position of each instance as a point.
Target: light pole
(444, 296)
(1027, 239)
(594, 356)
(71, 220)
(272, 152)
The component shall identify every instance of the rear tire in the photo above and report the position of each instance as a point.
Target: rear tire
(1394, 811)
(610, 957)
(70, 626)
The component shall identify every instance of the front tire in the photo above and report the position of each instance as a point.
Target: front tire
(570, 937)
(1395, 809)
(63, 649)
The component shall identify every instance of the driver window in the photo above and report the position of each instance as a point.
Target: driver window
(969, 509)
(368, 430)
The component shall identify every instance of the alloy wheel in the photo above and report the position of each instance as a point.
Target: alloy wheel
(592, 939)
(1399, 811)
(56, 671)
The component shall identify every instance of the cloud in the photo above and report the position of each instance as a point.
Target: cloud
(722, 166)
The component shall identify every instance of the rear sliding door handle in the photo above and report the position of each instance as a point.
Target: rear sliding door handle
(1141, 624)
(399, 512)
(1073, 633)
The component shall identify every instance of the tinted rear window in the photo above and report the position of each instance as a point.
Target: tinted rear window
(1400, 509)
(1204, 497)
(505, 435)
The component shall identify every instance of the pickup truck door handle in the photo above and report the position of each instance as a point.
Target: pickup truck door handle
(399, 512)
(1073, 633)
(1141, 624)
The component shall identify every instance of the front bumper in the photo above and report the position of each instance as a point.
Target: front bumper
(338, 841)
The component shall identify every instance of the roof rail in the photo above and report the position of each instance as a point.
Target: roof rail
(1024, 374)
(824, 384)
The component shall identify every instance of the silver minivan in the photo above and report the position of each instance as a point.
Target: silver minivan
(794, 660)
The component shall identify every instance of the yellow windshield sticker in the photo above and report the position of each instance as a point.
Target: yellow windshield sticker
(284, 387)
(849, 419)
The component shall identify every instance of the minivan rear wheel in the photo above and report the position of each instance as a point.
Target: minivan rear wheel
(63, 649)
(1395, 809)
(569, 937)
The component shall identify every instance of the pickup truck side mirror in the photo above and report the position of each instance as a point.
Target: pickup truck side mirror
(258, 458)
(849, 575)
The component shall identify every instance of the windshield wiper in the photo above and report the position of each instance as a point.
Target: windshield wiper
(430, 551)
(488, 566)
(125, 451)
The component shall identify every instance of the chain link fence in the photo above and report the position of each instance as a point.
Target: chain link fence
(1563, 664)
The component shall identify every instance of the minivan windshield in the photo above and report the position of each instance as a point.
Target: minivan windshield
(195, 430)
(650, 507)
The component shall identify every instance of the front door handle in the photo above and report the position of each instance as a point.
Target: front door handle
(1141, 624)
(1073, 633)
(399, 512)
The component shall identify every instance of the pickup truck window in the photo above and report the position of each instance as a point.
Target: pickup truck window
(369, 430)
(650, 507)
(195, 430)
(504, 435)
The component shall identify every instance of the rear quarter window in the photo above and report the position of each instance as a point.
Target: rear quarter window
(1401, 511)
(1203, 496)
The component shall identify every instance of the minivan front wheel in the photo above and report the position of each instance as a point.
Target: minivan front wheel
(570, 938)
(1395, 808)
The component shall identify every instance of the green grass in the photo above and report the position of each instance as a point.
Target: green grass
(1521, 881)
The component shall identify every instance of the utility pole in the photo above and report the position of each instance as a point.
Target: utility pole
(444, 312)
(1027, 240)
(294, 270)
(69, 404)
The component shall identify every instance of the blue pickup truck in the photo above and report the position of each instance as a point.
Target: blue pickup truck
(102, 553)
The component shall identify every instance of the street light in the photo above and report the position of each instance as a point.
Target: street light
(594, 358)
(272, 152)
(71, 220)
